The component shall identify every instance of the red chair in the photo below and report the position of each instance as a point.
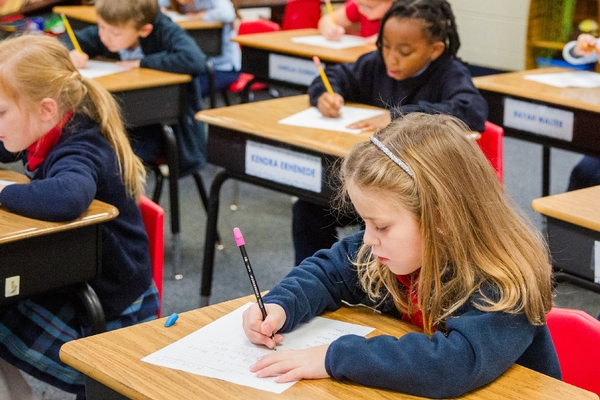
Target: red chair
(301, 14)
(154, 217)
(491, 145)
(245, 28)
(576, 337)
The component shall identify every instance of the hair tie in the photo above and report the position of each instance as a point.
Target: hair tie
(392, 156)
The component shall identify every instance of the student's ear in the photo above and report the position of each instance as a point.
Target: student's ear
(145, 30)
(437, 48)
(48, 109)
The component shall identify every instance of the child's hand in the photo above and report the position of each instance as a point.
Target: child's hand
(293, 365)
(79, 59)
(259, 331)
(129, 63)
(330, 106)
(333, 32)
(586, 43)
(370, 124)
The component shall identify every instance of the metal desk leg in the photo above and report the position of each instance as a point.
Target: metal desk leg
(173, 162)
(546, 171)
(211, 237)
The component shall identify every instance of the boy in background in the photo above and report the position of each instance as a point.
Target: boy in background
(137, 34)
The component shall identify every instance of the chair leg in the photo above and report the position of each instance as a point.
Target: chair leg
(173, 162)
(204, 198)
(159, 181)
(235, 196)
(225, 98)
(93, 308)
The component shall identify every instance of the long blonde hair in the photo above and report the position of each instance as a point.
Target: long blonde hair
(36, 67)
(472, 235)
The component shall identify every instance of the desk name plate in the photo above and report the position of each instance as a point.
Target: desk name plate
(283, 166)
(596, 261)
(292, 69)
(537, 118)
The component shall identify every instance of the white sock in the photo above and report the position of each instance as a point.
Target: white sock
(12, 384)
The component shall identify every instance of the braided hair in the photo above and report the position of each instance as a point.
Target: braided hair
(438, 17)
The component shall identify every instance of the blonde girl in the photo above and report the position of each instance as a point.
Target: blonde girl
(67, 131)
(442, 248)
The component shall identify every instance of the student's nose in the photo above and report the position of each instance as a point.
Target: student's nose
(370, 238)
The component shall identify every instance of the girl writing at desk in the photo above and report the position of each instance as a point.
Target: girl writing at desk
(68, 132)
(443, 249)
(414, 69)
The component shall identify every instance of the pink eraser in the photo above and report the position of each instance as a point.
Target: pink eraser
(316, 60)
(239, 238)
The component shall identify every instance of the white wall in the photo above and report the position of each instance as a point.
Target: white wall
(492, 32)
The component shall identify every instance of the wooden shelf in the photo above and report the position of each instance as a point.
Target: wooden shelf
(544, 25)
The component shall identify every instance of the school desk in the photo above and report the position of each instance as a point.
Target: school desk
(148, 96)
(573, 232)
(238, 132)
(273, 57)
(207, 34)
(565, 118)
(112, 364)
(41, 256)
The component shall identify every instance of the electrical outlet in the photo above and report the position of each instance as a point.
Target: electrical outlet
(12, 286)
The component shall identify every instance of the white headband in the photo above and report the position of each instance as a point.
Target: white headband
(392, 156)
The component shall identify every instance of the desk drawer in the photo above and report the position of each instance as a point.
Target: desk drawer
(47, 262)
(572, 248)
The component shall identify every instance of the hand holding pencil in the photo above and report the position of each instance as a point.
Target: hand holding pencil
(328, 24)
(329, 103)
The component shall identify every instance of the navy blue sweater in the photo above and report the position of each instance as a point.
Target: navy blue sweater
(82, 167)
(476, 348)
(167, 48)
(444, 87)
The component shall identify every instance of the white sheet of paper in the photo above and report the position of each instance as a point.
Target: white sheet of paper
(6, 183)
(221, 349)
(175, 16)
(582, 79)
(312, 118)
(345, 42)
(95, 69)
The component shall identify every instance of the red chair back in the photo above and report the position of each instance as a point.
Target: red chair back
(301, 14)
(491, 145)
(576, 337)
(154, 217)
(257, 26)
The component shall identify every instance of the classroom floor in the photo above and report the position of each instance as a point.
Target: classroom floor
(264, 216)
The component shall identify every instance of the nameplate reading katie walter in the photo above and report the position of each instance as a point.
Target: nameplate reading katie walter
(221, 349)
(292, 70)
(283, 166)
(537, 118)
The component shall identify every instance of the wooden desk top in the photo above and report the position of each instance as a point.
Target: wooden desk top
(16, 227)
(113, 358)
(281, 42)
(140, 78)
(260, 119)
(88, 14)
(513, 84)
(579, 207)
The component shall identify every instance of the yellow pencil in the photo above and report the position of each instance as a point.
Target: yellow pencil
(330, 11)
(70, 32)
(323, 76)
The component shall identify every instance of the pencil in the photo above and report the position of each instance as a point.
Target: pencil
(330, 11)
(323, 76)
(71, 33)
